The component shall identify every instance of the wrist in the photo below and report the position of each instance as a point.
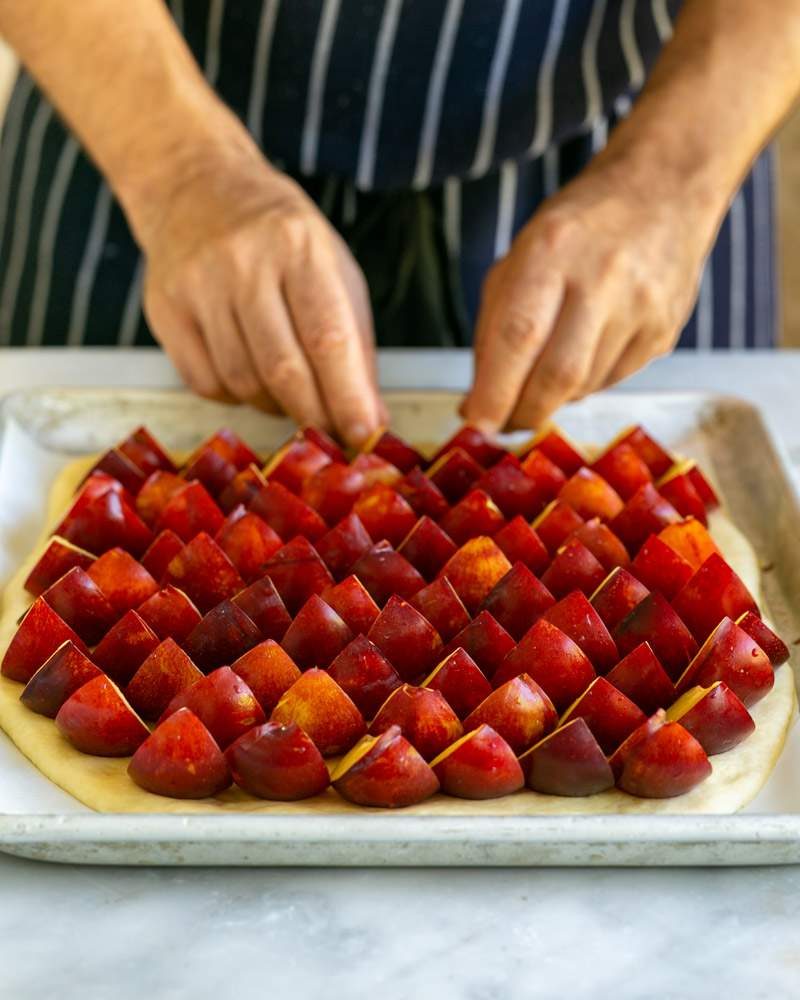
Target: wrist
(196, 143)
(670, 173)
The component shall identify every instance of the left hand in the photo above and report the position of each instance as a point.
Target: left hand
(599, 282)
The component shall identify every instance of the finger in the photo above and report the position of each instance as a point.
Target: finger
(181, 339)
(228, 351)
(234, 361)
(265, 402)
(635, 356)
(282, 367)
(326, 327)
(563, 364)
(610, 347)
(515, 323)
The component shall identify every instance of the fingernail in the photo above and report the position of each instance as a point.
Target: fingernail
(487, 427)
(357, 433)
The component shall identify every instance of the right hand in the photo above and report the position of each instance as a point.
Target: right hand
(254, 296)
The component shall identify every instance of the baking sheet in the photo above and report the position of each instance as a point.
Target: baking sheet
(44, 428)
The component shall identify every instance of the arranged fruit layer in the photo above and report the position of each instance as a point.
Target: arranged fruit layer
(475, 623)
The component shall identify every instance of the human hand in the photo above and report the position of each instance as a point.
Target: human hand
(599, 282)
(255, 297)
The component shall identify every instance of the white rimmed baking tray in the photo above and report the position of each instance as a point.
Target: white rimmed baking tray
(44, 428)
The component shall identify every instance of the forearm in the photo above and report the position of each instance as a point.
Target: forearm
(123, 77)
(248, 288)
(721, 88)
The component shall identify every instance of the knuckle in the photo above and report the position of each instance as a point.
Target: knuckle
(172, 289)
(518, 332)
(236, 254)
(558, 379)
(282, 374)
(612, 264)
(291, 227)
(559, 231)
(326, 340)
(189, 281)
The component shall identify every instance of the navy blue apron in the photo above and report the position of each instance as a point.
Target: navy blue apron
(428, 131)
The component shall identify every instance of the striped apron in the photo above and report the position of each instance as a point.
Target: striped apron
(428, 131)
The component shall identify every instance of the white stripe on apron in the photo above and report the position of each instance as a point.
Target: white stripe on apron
(705, 308)
(762, 252)
(261, 58)
(622, 106)
(494, 89)
(47, 240)
(506, 202)
(316, 86)
(11, 133)
(133, 307)
(738, 291)
(433, 103)
(630, 45)
(776, 312)
(662, 20)
(87, 272)
(591, 75)
(368, 146)
(32, 157)
(599, 134)
(544, 87)
(551, 171)
(216, 15)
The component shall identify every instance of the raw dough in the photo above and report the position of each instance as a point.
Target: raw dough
(103, 784)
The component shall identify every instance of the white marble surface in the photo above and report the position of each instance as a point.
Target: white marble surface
(464, 934)
(98, 934)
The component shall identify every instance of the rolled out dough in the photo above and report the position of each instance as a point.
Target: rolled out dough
(103, 784)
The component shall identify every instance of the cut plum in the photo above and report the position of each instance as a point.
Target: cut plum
(58, 557)
(204, 573)
(317, 635)
(425, 719)
(180, 760)
(59, 676)
(410, 643)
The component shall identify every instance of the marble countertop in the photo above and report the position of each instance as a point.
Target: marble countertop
(466, 934)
